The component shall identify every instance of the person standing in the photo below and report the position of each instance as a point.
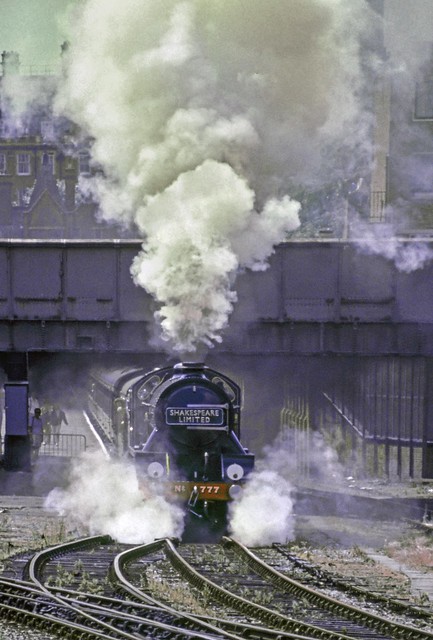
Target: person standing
(57, 418)
(36, 432)
(47, 410)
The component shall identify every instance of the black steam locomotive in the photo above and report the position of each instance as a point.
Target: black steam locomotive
(181, 425)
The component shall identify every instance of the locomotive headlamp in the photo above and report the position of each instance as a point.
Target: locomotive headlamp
(235, 471)
(155, 470)
(235, 491)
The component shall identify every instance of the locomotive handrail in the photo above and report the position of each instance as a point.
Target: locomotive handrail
(193, 427)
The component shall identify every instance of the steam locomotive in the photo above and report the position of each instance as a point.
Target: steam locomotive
(181, 426)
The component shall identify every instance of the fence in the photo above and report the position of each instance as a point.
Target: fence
(375, 413)
(68, 445)
(295, 423)
(377, 206)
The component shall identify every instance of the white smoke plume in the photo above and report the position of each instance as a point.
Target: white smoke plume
(104, 496)
(201, 112)
(380, 240)
(21, 96)
(264, 513)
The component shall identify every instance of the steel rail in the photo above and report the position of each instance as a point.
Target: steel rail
(34, 566)
(246, 630)
(52, 624)
(229, 629)
(118, 577)
(264, 614)
(30, 617)
(81, 600)
(359, 591)
(280, 621)
(42, 557)
(356, 614)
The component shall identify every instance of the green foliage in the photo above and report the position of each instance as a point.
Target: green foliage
(78, 577)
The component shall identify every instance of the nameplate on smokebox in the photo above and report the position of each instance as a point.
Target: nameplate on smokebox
(202, 416)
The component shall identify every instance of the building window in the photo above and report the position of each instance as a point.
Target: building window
(84, 162)
(23, 164)
(3, 164)
(49, 159)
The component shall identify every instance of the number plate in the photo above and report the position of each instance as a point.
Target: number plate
(206, 490)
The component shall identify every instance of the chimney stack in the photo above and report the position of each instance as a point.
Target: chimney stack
(64, 55)
(10, 63)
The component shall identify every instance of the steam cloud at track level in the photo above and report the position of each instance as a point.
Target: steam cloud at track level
(105, 497)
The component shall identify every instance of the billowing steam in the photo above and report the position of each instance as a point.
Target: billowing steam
(407, 256)
(201, 229)
(104, 497)
(264, 513)
(19, 95)
(201, 114)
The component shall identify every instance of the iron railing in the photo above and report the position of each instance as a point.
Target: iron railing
(376, 414)
(68, 445)
(377, 206)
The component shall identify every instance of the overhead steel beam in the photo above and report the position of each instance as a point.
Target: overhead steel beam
(316, 297)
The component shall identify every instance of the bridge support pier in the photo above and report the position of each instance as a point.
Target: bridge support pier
(427, 452)
(16, 365)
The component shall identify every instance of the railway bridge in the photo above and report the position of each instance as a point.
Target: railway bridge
(327, 330)
(317, 297)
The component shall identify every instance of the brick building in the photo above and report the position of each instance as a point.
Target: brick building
(42, 161)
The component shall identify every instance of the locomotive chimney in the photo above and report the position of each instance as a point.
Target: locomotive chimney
(189, 366)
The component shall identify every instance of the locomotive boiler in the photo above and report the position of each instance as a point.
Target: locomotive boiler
(181, 426)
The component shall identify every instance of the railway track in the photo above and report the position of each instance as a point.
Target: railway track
(375, 594)
(95, 588)
(40, 602)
